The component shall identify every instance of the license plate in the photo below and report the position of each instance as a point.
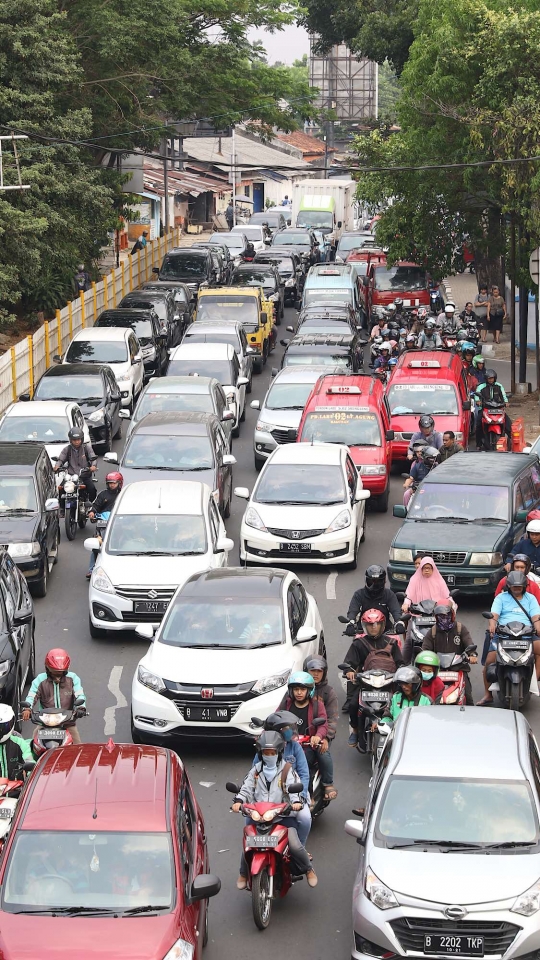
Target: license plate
(46, 734)
(259, 841)
(448, 675)
(425, 621)
(295, 547)
(454, 944)
(212, 714)
(6, 813)
(515, 644)
(150, 606)
(450, 578)
(375, 695)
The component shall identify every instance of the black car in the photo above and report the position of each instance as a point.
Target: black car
(192, 265)
(29, 521)
(341, 351)
(17, 626)
(266, 276)
(182, 300)
(274, 219)
(148, 329)
(93, 386)
(162, 302)
(329, 310)
(223, 249)
(318, 325)
(301, 240)
(289, 266)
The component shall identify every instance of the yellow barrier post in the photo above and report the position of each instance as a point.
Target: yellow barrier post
(130, 261)
(59, 332)
(47, 345)
(94, 294)
(146, 262)
(70, 319)
(139, 274)
(83, 313)
(31, 364)
(122, 265)
(113, 275)
(105, 293)
(13, 374)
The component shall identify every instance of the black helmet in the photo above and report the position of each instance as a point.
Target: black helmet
(516, 579)
(418, 445)
(408, 675)
(316, 663)
(280, 719)
(491, 374)
(426, 421)
(524, 559)
(270, 739)
(430, 324)
(375, 578)
(75, 434)
(429, 455)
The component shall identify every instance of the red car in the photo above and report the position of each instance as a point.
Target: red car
(353, 410)
(385, 282)
(424, 382)
(106, 858)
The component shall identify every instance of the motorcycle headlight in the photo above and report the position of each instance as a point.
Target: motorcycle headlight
(101, 582)
(181, 950)
(267, 684)
(69, 486)
(20, 550)
(342, 520)
(528, 903)
(52, 719)
(255, 815)
(453, 696)
(269, 815)
(96, 417)
(150, 680)
(501, 652)
(400, 555)
(486, 559)
(379, 894)
(253, 519)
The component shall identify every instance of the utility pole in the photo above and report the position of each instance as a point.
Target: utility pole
(233, 169)
(512, 304)
(165, 154)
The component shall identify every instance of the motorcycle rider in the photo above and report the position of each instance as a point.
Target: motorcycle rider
(58, 687)
(428, 663)
(529, 546)
(429, 339)
(267, 782)
(301, 699)
(267, 233)
(399, 313)
(104, 503)
(381, 363)
(514, 603)
(522, 563)
(494, 391)
(426, 432)
(467, 351)
(318, 668)
(468, 315)
(78, 457)
(408, 681)
(428, 457)
(286, 724)
(374, 650)
(375, 595)
(479, 366)
(450, 636)
(13, 748)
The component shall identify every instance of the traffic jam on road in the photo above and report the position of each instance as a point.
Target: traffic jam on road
(295, 541)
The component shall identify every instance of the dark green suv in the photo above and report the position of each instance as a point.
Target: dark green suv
(467, 514)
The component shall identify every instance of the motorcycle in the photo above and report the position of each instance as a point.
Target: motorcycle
(449, 339)
(10, 791)
(319, 801)
(513, 669)
(493, 423)
(52, 730)
(376, 689)
(452, 675)
(266, 850)
(73, 501)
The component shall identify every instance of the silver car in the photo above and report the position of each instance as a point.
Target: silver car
(450, 840)
(282, 408)
(182, 395)
(226, 331)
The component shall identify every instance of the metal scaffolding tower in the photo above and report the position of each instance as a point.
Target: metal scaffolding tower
(346, 85)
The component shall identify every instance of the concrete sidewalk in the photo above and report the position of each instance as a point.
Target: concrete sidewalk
(108, 259)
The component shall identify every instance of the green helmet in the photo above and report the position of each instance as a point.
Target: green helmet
(478, 359)
(429, 658)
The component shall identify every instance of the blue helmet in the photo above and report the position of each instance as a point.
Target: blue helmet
(467, 346)
(299, 678)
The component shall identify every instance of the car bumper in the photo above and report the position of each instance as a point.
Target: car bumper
(466, 579)
(376, 484)
(97, 432)
(149, 707)
(264, 443)
(326, 549)
(31, 567)
(109, 611)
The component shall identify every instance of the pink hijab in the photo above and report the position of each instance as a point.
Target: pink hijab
(427, 588)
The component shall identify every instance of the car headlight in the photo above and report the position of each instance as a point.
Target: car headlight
(253, 519)
(486, 559)
(400, 555)
(378, 892)
(150, 680)
(290, 282)
(96, 417)
(374, 471)
(4, 667)
(528, 903)
(101, 582)
(181, 950)
(19, 550)
(125, 378)
(267, 684)
(267, 427)
(342, 520)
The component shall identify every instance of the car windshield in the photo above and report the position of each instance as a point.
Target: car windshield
(342, 426)
(463, 500)
(402, 279)
(195, 336)
(455, 810)
(69, 870)
(252, 233)
(352, 243)
(164, 535)
(243, 309)
(17, 494)
(301, 483)
(284, 265)
(340, 360)
(272, 219)
(179, 293)
(360, 267)
(168, 453)
(288, 396)
(233, 622)
(183, 266)
(235, 241)
(69, 388)
(42, 429)
(316, 295)
(405, 398)
(141, 328)
(173, 403)
(292, 239)
(204, 368)
(97, 351)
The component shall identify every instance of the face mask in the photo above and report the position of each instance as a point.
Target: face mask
(427, 676)
(446, 622)
(287, 734)
(269, 767)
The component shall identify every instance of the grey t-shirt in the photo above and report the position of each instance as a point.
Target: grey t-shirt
(480, 305)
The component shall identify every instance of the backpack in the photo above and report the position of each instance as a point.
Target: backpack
(380, 659)
(281, 781)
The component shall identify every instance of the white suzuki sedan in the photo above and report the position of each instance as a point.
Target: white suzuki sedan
(223, 654)
(308, 506)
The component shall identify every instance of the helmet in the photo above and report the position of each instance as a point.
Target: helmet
(533, 526)
(398, 303)
(445, 615)
(316, 663)
(429, 324)
(279, 719)
(491, 374)
(450, 308)
(516, 579)
(478, 359)
(411, 338)
(270, 739)
(408, 675)
(429, 455)
(393, 344)
(462, 334)
(375, 576)
(422, 313)
(523, 558)
(373, 616)
(75, 434)
(426, 421)
(467, 347)
(57, 659)
(391, 308)
(299, 678)
(430, 659)
(385, 346)
(115, 477)
(418, 445)
(7, 722)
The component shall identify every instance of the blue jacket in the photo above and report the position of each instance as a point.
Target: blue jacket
(294, 754)
(527, 547)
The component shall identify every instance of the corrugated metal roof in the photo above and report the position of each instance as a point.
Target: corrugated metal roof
(180, 181)
(304, 142)
(250, 154)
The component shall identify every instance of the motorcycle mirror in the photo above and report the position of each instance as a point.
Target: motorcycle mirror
(343, 619)
(296, 787)
(343, 666)
(400, 595)
(232, 787)
(257, 722)
(405, 617)
(399, 628)
(28, 765)
(318, 722)
(486, 615)
(471, 648)
(79, 702)
(454, 593)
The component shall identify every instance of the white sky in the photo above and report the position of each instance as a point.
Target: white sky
(284, 45)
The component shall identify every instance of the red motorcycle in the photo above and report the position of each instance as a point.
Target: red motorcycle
(493, 424)
(452, 675)
(266, 850)
(52, 727)
(9, 797)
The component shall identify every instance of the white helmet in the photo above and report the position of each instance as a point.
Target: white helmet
(450, 307)
(7, 722)
(533, 526)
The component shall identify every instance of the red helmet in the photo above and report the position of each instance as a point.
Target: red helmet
(115, 477)
(57, 659)
(373, 616)
(533, 515)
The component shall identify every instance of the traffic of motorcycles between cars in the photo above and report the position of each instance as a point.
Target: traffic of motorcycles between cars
(243, 653)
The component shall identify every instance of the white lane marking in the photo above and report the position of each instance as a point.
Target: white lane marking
(110, 712)
(331, 586)
(206, 783)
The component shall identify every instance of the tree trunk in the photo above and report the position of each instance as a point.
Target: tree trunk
(489, 260)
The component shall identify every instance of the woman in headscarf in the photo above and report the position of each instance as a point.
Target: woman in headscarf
(425, 584)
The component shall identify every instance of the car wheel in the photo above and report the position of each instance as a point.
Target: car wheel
(352, 565)
(96, 632)
(258, 365)
(135, 736)
(380, 503)
(363, 537)
(259, 462)
(236, 431)
(118, 434)
(322, 647)
(39, 588)
(205, 931)
(54, 552)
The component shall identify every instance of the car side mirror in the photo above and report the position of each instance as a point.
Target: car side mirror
(255, 404)
(204, 886)
(285, 343)
(224, 545)
(92, 543)
(390, 434)
(155, 270)
(264, 316)
(229, 460)
(110, 457)
(250, 351)
(124, 415)
(290, 329)
(466, 404)
(521, 516)
(116, 397)
(227, 415)
(399, 511)
(305, 635)
(242, 382)
(355, 828)
(274, 372)
(361, 495)
(21, 619)
(51, 504)
(57, 358)
(145, 630)
(241, 492)
(24, 397)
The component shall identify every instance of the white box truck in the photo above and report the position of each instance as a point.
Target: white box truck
(327, 206)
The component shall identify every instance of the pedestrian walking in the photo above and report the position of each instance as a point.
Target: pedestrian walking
(229, 215)
(496, 314)
(480, 308)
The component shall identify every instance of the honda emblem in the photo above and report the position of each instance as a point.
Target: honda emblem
(207, 693)
(295, 534)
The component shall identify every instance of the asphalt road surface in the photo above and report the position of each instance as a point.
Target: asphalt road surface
(309, 923)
